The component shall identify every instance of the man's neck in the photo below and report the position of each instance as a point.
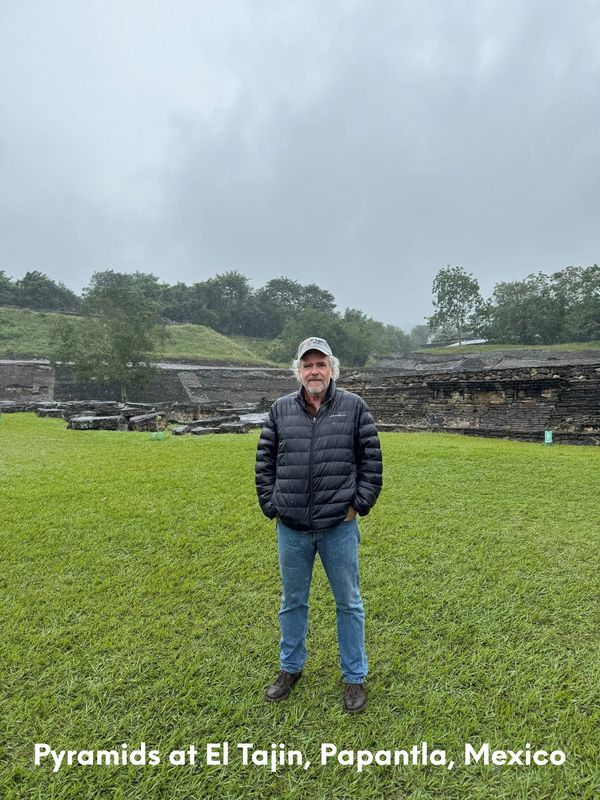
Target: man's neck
(314, 401)
(313, 404)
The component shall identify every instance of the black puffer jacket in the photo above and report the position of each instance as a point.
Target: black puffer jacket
(311, 469)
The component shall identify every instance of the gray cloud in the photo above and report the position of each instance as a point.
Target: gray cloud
(360, 146)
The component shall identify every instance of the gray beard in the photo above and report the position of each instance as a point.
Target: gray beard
(313, 389)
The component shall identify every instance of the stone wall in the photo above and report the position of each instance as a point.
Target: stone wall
(174, 383)
(516, 395)
(26, 380)
(519, 402)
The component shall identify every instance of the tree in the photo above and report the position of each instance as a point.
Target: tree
(419, 336)
(283, 293)
(316, 298)
(36, 290)
(6, 289)
(117, 339)
(456, 299)
(359, 334)
(369, 337)
(182, 303)
(227, 296)
(527, 312)
(148, 285)
(345, 335)
(273, 305)
(547, 309)
(297, 328)
(281, 299)
(579, 292)
(387, 340)
(175, 303)
(482, 320)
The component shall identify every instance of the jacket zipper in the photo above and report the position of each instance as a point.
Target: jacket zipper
(310, 461)
(310, 471)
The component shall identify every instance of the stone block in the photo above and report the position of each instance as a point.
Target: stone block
(213, 422)
(146, 422)
(52, 413)
(14, 406)
(184, 412)
(110, 423)
(233, 427)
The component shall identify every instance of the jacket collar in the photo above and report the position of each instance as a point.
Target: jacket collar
(329, 394)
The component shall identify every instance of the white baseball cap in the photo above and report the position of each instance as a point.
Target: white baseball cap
(314, 343)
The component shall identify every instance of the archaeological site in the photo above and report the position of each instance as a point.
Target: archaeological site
(513, 394)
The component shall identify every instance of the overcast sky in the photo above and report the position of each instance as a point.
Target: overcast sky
(357, 145)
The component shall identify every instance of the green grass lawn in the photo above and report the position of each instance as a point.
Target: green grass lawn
(140, 592)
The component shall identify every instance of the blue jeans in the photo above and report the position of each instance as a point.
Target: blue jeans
(338, 550)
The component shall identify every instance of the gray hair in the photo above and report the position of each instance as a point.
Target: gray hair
(334, 363)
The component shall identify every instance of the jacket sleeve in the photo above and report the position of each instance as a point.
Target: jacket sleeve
(266, 462)
(369, 466)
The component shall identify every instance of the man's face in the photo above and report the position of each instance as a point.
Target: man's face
(315, 371)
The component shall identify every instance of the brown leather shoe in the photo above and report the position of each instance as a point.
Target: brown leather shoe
(355, 697)
(283, 686)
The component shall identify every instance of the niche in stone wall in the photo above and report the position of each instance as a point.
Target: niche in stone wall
(448, 393)
(490, 396)
(527, 392)
(551, 393)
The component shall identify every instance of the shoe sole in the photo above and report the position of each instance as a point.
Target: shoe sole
(277, 699)
(355, 710)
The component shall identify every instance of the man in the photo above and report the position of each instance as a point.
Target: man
(318, 465)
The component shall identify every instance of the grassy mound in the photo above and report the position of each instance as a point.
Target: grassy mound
(27, 333)
(140, 598)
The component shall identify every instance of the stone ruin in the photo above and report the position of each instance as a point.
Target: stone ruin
(205, 418)
(108, 415)
(196, 399)
(512, 394)
(516, 395)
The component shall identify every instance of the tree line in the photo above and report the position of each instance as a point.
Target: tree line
(37, 291)
(283, 310)
(540, 309)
